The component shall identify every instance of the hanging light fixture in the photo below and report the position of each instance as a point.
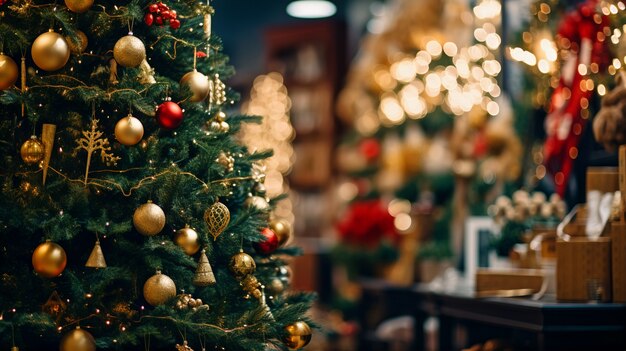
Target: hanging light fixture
(311, 9)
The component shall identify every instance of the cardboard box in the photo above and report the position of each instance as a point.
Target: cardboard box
(583, 269)
(618, 260)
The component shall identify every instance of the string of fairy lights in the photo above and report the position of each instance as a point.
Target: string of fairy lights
(269, 99)
(443, 74)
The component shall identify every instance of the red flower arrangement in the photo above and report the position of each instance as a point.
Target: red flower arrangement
(367, 223)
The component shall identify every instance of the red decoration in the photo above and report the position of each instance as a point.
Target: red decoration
(269, 244)
(201, 54)
(366, 224)
(169, 115)
(2, 2)
(160, 14)
(370, 148)
(148, 19)
(582, 30)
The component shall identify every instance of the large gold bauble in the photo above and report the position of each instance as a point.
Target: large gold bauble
(158, 289)
(198, 83)
(80, 46)
(79, 6)
(187, 239)
(49, 259)
(242, 265)
(50, 51)
(32, 151)
(128, 130)
(299, 335)
(8, 72)
(78, 340)
(149, 219)
(129, 51)
(282, 228)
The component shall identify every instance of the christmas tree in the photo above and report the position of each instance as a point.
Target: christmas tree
(125, 226)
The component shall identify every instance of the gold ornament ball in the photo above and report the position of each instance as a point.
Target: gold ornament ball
(50, 51)
(158, 289)
(49, 259)
(78, 340)
(79, 6)
(79, 46)
(298, 335)
(187, 239)
(128, 130)
(242, 265)
(258, 202)
(276, 286)
(198, 83)
(149, 219)
(129, 51)
(32, 151)
(282, 229)
(8, 72)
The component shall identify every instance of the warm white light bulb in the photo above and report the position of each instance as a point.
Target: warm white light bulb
(311, 9)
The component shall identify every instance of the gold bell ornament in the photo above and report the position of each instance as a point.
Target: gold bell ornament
(96, 258)
(204, 273)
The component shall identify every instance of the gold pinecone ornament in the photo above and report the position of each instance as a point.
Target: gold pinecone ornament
(204, 273)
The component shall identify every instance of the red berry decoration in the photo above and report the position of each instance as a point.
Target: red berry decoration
(166, 14)
(173, 14)
(159, 20)
(169, 115)
(269, 244)
(153, 8)
(174, 24)
(148, 19)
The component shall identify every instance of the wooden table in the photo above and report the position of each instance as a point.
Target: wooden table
(530, 325)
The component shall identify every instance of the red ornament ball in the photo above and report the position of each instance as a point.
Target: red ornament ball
(148, 19)
(169, 115)
(269, 244)
(370, 148)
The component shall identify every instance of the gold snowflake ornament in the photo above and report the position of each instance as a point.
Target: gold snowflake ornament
(91, 141)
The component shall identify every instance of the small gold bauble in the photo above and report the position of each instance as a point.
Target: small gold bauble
(282, 228)
(149, 219)
(49, 259)
(242, 264)
(79, 6)
(8, 72)
(258, 202)
(158, 289)
(187, 239)
(50, 51)
(32, 151)
(78, 47)
(129, 51)
(198, 83)
(276, 286)
(128, 130)
(299, 335)
(78, 340)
